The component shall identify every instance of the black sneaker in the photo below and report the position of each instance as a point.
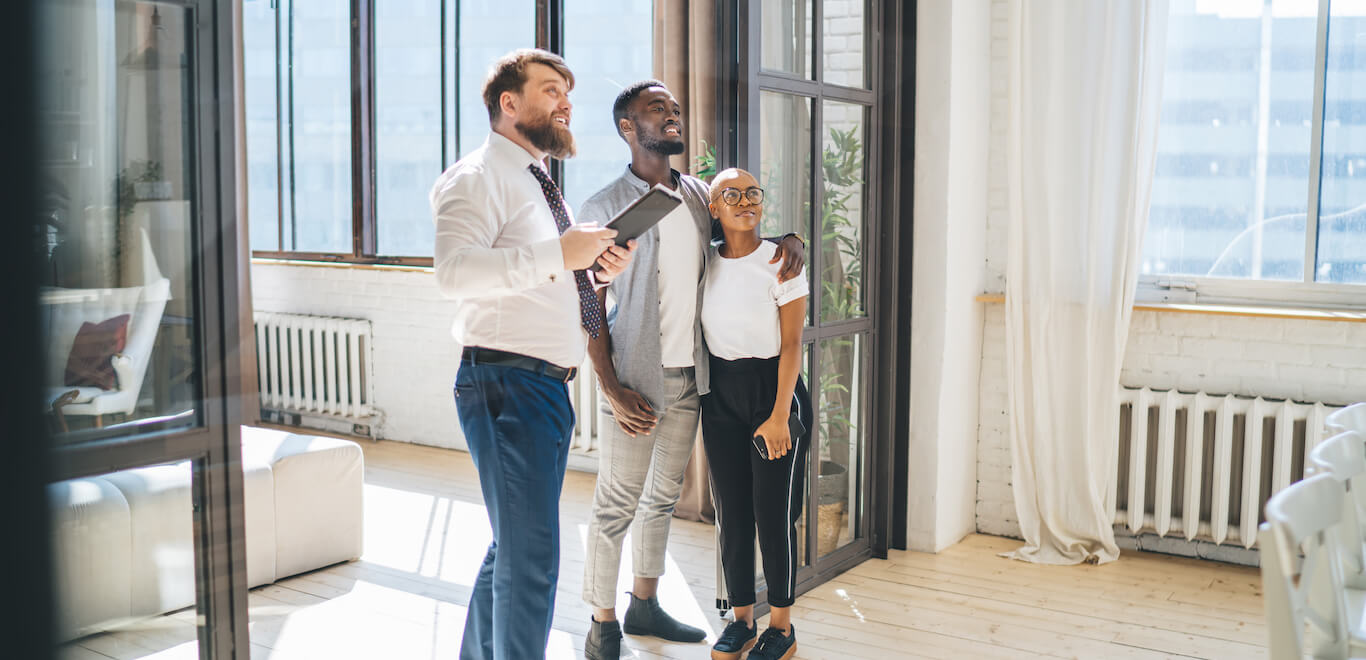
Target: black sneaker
(774, 645)
(733, 642)
(645, 617)
(603, 641)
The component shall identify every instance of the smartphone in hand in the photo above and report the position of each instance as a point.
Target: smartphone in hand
(795, 429)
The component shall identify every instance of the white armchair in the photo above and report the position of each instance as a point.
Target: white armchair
(64, 310)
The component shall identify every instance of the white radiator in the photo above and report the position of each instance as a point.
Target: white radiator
(584, 392)
(1202, 466)
(316, 370)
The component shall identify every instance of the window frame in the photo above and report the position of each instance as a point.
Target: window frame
(1306, 293)
(740, 82)
(549, 20)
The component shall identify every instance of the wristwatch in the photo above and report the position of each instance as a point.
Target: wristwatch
(793, 233)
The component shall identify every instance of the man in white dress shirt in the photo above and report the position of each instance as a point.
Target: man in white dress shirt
(509, 252)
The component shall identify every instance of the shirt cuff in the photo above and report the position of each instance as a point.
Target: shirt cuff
(597, 285)
(548, 260)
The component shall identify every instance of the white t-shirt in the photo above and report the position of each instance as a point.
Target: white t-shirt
(740, 304)
(680, 266)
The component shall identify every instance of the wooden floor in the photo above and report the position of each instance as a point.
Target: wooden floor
(426, 532)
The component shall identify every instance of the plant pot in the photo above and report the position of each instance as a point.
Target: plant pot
(832, 483)
(832, 509)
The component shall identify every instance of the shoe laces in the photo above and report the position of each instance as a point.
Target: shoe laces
(734, 632)
(770, 636)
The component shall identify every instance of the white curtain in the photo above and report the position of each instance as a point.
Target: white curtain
(1085, 91)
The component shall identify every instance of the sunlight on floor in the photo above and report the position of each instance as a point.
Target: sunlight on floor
(426, 533)
(853, 604)
(431, 536)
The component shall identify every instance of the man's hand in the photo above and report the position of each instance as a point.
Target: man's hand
(615, 260)
(581, 244)
(792, 252)
(632, 412)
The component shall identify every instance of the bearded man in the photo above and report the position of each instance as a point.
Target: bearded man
(509, 251)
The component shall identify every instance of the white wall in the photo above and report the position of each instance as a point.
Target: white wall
(415, 356)
(1302, 360)
(952, 95)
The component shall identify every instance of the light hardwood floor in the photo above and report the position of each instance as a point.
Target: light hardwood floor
(426, 532)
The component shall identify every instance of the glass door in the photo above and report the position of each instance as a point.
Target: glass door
(136, 243)
(803, 100)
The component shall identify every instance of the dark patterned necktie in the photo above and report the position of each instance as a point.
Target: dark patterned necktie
(589, 310)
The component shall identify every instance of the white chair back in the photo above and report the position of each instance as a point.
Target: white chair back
(63, 311)
(1343, 457)
(1304, 518)
(1351, 418)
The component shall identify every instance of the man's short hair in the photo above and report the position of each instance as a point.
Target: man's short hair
(619, 107)
(508, 74)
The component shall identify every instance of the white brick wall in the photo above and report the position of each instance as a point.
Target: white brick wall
(995, 501)
(997, 195)
(415, 356)
(1276, 358)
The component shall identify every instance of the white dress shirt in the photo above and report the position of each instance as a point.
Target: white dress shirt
(498, 254)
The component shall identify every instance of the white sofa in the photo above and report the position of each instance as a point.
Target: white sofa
(123, 544)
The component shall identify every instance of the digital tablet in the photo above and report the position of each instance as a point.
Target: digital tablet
(640, 215)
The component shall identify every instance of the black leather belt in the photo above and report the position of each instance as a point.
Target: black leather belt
(477, 355)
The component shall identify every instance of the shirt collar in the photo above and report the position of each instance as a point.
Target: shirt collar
(511, 152)
(639, 183)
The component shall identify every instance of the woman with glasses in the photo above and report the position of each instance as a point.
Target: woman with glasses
(754, 420)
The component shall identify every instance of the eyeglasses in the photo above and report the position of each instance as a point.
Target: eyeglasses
(731, 196)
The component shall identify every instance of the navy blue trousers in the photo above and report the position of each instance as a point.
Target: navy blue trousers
(517, 424)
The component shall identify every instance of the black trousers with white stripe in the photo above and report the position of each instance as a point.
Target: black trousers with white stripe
(751, 493)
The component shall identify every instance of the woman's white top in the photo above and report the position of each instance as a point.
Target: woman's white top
(740, 304)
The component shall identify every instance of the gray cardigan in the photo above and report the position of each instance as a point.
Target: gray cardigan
(634, 319)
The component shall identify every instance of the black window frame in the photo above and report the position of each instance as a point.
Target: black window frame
(212, 446)
(889, 52)
(549, 20)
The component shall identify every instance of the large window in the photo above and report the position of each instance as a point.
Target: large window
(134, 239)
(809, 102)
(347, 127)
(1260, 186)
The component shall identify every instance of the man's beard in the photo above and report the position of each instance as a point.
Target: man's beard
(548, 136)
(659, 145)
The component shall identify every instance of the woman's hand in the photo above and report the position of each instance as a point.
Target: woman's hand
(775, 435)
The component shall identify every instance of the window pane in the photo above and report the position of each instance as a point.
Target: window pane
(785, 40)
(785, 167)
(263, 171)
(603, 62)
(488, 29)
(123, 564)
(119, 203)
(841, 235)
(842, 59)
(319, 57)
(1230, 191)
(839, 424)
(1342, 190)
(407, 123)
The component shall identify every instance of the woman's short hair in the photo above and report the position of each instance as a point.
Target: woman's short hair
(508, 74)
